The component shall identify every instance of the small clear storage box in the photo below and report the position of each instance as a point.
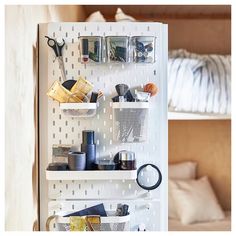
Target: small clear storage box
(143, 48)
(117, 49)
(130, 121)
(90, 49)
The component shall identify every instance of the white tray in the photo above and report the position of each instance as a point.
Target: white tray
(91, 175)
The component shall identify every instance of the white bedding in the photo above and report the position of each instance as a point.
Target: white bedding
(223, 225)
(199, 83)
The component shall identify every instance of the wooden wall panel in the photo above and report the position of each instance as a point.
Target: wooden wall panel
(209, 144)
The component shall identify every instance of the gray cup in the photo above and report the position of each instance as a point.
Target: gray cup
(77, 160)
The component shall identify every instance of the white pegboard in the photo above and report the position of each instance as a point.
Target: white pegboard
(56, 128)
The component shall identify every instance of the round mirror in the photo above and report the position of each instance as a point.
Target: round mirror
(149, 177)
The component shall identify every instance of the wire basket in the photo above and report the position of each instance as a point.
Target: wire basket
(130, 121)
(108, 223)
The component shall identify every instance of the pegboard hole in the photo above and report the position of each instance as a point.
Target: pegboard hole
(66, 186)
(54, 186)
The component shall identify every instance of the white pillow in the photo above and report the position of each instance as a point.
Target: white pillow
(96, 17)
(183, 170)
(195, 201)
(121, 16)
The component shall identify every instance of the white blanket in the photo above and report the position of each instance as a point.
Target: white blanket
(199, 83)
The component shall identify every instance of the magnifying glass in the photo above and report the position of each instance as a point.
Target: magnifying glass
(149, 177)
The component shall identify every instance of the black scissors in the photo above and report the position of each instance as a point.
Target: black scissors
(57, 48)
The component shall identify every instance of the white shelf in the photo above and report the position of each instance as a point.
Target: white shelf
(195, 116)
(91, 175)
(135, 105)
(79, 109)
(78, 106)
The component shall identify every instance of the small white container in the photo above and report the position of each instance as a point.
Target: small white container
(79, 109)
(108, 223)
(130, 121)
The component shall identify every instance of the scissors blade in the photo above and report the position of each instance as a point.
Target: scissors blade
(62, 67)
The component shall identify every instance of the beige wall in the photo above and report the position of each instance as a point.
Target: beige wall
(21, 180)
(209, 144)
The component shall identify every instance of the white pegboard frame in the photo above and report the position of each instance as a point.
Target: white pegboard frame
(105, 73)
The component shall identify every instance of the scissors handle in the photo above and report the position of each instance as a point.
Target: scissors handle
(60, 47)
(53, 44)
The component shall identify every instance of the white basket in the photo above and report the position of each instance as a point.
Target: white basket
(108, 223)
(130, 121)
(79, 109)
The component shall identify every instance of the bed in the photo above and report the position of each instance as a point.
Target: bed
(223, 225)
